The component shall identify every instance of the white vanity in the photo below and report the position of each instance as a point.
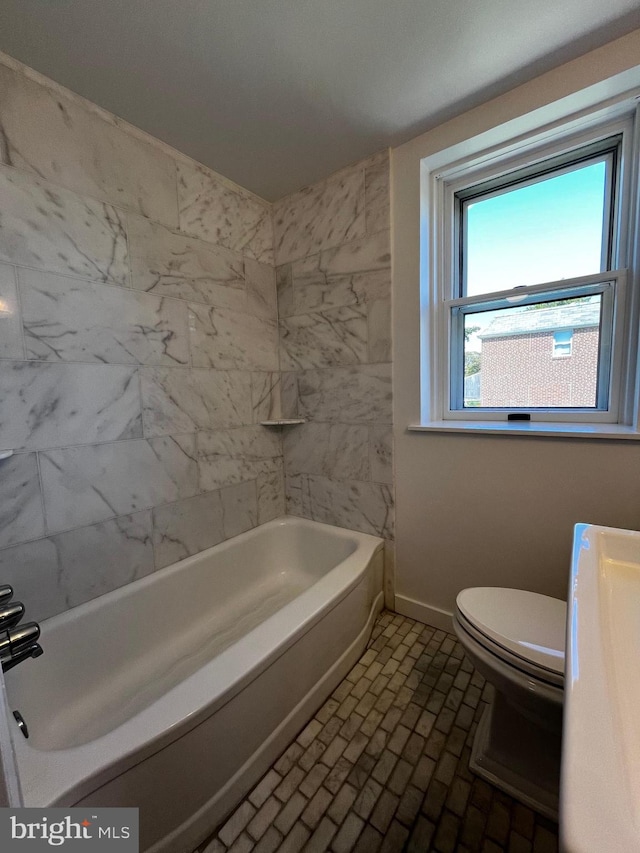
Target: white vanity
(600, 785)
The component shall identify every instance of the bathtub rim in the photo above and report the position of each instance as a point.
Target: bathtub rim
(154, 727)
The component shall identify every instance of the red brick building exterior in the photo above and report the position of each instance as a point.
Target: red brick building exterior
(555, 366)
(521, 371)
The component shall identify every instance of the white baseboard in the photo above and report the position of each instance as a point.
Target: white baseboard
(426, 613)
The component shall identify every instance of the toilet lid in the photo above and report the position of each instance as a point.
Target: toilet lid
(530, 625)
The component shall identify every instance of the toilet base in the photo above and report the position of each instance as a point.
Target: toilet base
(517, 756)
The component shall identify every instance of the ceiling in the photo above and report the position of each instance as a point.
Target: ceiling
(276, 94)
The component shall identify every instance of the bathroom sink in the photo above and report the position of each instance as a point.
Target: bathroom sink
(600, 786)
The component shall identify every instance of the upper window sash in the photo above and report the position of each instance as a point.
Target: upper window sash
(493, 170)
(606, 151)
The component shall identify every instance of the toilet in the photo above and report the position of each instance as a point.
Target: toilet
(516, 640)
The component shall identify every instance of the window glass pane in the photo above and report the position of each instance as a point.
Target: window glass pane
(547, 231)
(562, 343)
(511, 355)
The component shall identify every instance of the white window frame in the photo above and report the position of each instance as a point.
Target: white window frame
(440, 263)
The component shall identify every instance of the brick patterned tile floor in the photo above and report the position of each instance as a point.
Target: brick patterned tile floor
(384, 764)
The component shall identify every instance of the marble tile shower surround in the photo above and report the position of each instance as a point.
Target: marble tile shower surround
(59, 319)
(56, 139)
(144, 335)
(210, 210)
(333, 278)
(50, 228)
(138, 352)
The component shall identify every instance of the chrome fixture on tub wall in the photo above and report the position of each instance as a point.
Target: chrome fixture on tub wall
(16, 643)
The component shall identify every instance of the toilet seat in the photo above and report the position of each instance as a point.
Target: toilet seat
(523, 629)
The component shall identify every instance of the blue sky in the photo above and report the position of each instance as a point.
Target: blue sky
(547, 231)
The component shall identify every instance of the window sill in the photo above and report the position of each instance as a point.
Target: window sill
(616, 432)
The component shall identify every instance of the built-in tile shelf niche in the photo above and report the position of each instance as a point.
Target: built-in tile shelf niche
(281, 422)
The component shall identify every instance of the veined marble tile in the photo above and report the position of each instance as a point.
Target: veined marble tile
(239, 508)
(324, 339)
(266, 396)
(170, 264)
(284, 288)
(318, 217)
(21, 515)
(367, 507)
(357, 272)
(381, 454)
(56, 230)
(66, 319)
(262, 299)
(297, 497)
(57, 139)
(10, 328)
(377, 197)
(381, 156)
(96, 559)
(289, 394)
(182, 401)
(55, 405)
(229, 340)
(389, 574)
(346, 394)
(338, 451)
(33, 570)
(271, 502)
(233, 456)
(365, 255)
(213, 211)
(313, 290)
(379, 329)
(187, 527)
(83, 485)
(51, 575)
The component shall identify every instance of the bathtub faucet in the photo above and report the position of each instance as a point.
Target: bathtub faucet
(16, 643)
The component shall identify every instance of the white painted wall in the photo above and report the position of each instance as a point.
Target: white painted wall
(476, 510)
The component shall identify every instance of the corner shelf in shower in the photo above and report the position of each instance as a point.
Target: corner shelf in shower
(5, 454)
(284, 422)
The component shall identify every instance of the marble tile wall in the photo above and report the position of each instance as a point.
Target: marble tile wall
(333, 274)
(138, 352)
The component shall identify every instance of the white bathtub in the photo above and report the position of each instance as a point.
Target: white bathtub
(175, 693)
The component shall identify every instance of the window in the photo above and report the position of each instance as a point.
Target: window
(530, 313)
(562, 344)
